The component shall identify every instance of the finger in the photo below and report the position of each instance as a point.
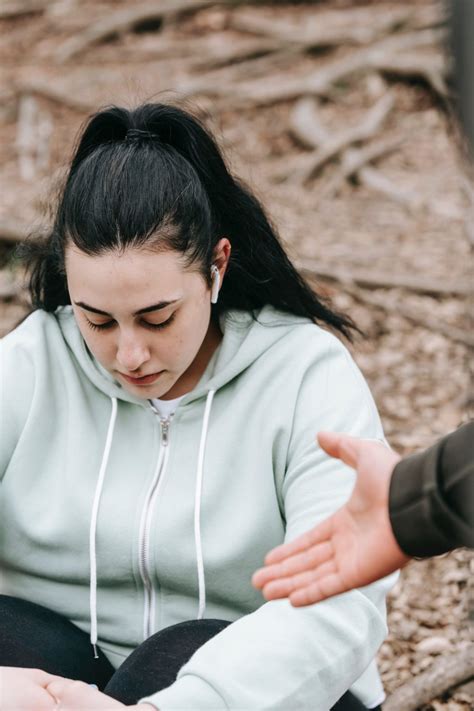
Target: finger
(308, 560)
(317, 591)
(341, 446)
(41, 677)
(78, 695)
(319, 534)
(283, 587)
(62, 687)
(286, 549)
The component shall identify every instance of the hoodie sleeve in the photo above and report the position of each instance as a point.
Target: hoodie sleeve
(280, 657)
(16, 387)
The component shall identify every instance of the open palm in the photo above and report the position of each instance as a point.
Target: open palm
(352, 548)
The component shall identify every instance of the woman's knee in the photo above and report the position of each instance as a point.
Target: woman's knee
(35, 637)
(155, 664)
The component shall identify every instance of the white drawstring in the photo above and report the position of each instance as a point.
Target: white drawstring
(197, 518)
(93, 527)
(197, 507)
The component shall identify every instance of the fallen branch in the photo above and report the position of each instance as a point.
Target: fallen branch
(429, 68)
(445, 673)
(310, 165)
(306, 126)
(10, 10)
(381, 280)
(354, 162)
(319, 83)
(219, 81)
(209, 52)
(333, 28)
(280, 43)
(121, 21)
(375, 180)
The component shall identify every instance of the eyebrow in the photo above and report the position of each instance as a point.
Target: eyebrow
(146, 310)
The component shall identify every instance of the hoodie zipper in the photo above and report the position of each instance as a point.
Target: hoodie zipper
(145, 527)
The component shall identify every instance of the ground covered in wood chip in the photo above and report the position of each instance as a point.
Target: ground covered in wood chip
(336, 113)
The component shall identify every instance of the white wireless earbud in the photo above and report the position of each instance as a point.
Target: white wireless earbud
(216, 282)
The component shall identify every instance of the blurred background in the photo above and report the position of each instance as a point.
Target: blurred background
(338, 114)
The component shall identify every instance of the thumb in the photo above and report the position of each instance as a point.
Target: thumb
(341, 446)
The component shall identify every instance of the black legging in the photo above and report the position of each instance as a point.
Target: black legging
(34, 637)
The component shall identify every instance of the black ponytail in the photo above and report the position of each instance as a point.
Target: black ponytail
(156, 176)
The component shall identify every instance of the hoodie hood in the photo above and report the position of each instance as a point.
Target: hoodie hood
(246, 337)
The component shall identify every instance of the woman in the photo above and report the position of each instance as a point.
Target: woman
(159, 409)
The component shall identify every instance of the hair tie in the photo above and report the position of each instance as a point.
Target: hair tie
(138, 134)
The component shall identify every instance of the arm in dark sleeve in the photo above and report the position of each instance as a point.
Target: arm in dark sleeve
(432, 497)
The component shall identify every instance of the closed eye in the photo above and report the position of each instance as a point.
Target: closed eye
(146, 324)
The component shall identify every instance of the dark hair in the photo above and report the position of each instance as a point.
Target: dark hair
(155, 177)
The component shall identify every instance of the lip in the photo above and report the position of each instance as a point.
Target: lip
(145, 380)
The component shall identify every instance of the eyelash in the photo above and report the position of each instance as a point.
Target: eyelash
(109, 324)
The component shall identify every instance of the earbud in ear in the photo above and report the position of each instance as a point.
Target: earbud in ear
(216, 282)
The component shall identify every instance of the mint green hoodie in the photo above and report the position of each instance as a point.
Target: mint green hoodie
(127, 524)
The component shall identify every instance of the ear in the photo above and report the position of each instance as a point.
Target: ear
(221, 255)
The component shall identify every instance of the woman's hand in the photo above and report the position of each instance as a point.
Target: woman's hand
(352, 548)
(25, 689)
(79, 696)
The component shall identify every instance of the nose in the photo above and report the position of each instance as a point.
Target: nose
(132, 352)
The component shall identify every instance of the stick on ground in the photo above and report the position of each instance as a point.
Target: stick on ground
(446, 672)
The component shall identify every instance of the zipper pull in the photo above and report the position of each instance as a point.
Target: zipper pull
(165, 427)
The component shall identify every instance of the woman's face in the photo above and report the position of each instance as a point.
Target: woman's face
(144, 317)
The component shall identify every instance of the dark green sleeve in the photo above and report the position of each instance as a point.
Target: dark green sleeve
(432, 497)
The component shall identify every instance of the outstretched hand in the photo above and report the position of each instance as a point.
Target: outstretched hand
(352, 548)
